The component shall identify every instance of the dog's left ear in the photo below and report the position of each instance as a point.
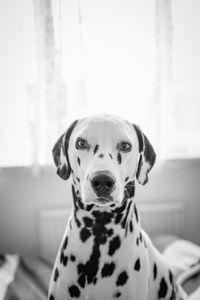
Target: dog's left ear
(147, 156)
(60, 153)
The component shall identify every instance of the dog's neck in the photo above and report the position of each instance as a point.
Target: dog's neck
(123, 216)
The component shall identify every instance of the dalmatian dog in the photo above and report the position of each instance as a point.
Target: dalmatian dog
(104, 253)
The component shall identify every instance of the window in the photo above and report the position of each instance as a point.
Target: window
(67, 58)
(17, 73)
(181, 136)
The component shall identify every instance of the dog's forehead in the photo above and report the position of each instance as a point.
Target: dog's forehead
(104, 126)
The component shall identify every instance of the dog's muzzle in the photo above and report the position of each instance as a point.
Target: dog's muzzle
(103, 184)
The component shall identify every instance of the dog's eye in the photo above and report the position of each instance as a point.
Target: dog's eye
(81, 144)
(125, 146)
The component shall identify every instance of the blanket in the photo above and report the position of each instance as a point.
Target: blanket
(23, 278)
(184, 259)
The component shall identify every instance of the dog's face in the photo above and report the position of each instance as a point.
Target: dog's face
(103, 154)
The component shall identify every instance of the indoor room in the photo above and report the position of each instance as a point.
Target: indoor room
(67, 60)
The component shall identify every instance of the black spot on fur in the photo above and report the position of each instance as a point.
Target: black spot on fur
(101, 155)
(117, 294)
(80, 203)
(89, 207)
(96, 149)
(51, 297)
(88, 221)
(70, 224)
(110, 232)
(126, 216)
(118, 218)
(63, 259)
(74, 291)
(136, 213)
(82, 274)
(131, 226)
(137, 241)
(108, 269)
(74, 196)
(64, 246)
(114, 244)
(163, 289)
(79, 161)
(141, 236)
(56, 274)
(80, 268)
(122, 278)
(72, 258)
(119, 158)
(102, 218)
(84, 234)
(103, 239)
(170, 277)
(77, 179)
(126, 230)
(154, 271)
(110, 155)
(137, 265)
(126, 179)
(82, 280)
(94, 281)
(78, 223)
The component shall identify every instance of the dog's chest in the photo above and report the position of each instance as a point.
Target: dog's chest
(101, 258)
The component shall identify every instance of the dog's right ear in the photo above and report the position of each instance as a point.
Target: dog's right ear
(60, 153)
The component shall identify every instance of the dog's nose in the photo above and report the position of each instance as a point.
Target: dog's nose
(102, 184)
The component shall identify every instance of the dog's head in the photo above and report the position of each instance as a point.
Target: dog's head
(104, 155)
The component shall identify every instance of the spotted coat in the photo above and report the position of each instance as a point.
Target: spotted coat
(104, 256)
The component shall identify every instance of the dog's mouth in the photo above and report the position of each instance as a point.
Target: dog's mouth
(104, 200)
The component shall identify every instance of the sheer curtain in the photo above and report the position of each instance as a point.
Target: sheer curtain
(65, 59)
(18, 70)
(181, 125)
(109, 59)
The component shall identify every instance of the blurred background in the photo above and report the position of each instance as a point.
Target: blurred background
(64, 59)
